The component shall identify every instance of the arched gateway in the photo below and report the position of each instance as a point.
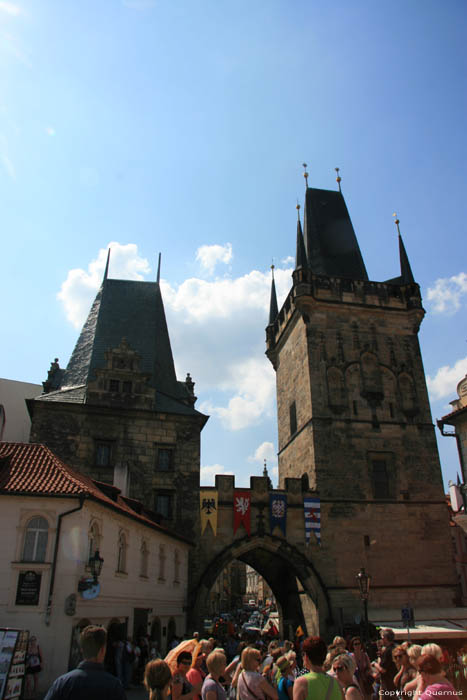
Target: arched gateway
(287, 563)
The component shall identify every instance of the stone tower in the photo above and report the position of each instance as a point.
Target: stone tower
(118, 413)
(354, 419)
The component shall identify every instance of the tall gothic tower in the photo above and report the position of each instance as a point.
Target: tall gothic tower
(354, 419)
(118, 413)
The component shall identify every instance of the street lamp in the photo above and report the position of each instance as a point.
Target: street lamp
(363, 580)
(95, 564)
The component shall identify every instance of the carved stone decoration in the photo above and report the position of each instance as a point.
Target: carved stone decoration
(372, 385)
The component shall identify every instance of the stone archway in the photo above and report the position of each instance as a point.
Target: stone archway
(297, 586)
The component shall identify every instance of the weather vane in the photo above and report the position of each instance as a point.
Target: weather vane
(338, 179)
(305, 174)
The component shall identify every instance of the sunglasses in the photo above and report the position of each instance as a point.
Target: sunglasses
(339, 668)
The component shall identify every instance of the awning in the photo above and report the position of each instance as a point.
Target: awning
(427, 629)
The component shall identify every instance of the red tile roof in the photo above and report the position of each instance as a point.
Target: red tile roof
(448, 416)
(34, 470)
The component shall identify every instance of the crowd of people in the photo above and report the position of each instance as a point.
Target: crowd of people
(302, 670)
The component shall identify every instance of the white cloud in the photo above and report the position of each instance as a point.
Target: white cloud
(208, 474)
(289, 260)
(253, 381)
(446, 379)
(210, 255)
(79, 289)
(10, 9)
(50, 131)
(265, 451)
(446, 294)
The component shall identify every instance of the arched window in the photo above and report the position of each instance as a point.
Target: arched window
(161, 562)
(144, 559)
(35, 540)
(93, 540)
(176, 566)
(121, 558)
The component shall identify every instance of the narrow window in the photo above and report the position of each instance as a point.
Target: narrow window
(380, 479)
(103, 453)
(293, 418)
(164, 459)
(144, 559)
(355, 409)
(121, 555)
(176, 566)
(93, 540)
(35, 540)
(163, 505)
(161, 562)
(127, 387)
(391, 410)
(114, 385)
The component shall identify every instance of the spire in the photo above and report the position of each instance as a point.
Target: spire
(406, 270)
(106, 271)
(273, 309)
(158, 278)
(300, 258)
(338, 179)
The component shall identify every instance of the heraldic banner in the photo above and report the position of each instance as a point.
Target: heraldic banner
(278, 511)
(242, 510)
(312, 508)
(208, 506)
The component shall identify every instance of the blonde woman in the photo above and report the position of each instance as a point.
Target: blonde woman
(212, 688)
(251, 685)
(344, 667)
(413, 652)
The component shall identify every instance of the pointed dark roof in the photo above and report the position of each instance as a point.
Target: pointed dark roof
(273, 309)
(331, 245)
(300, 257)
(406, 270)
(134, 311)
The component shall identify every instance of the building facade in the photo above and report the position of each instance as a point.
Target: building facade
(56, 519)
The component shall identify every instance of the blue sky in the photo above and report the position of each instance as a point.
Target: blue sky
(181, 127)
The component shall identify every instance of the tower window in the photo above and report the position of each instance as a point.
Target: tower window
(163, 504)
(114, 385)
(293, 418)
(103, 453)
(164, 459)
(380, 479)
(127, 387)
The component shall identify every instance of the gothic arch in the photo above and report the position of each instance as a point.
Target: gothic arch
(256, 551)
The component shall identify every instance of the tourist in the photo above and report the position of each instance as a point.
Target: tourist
(90, 680)
(196, 674)
(181, 687)
(34, 663)
(413, 652)
(344, 667)
(432, 682)
(157, 677)
(405, 672)
(316, 684)
(285, 683)
(386, 666)
(251, 685)
(363, 671)
(212, 688)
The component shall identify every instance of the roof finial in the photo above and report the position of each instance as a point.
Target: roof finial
(265, 470)
(397, 222)
(305, 174)
(106, 271)
(338, 179)
(273, 267)
(158, 270)
(298, 210)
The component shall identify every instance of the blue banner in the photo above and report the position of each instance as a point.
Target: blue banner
(278, 511)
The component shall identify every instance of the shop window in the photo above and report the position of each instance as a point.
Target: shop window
(35, 540)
